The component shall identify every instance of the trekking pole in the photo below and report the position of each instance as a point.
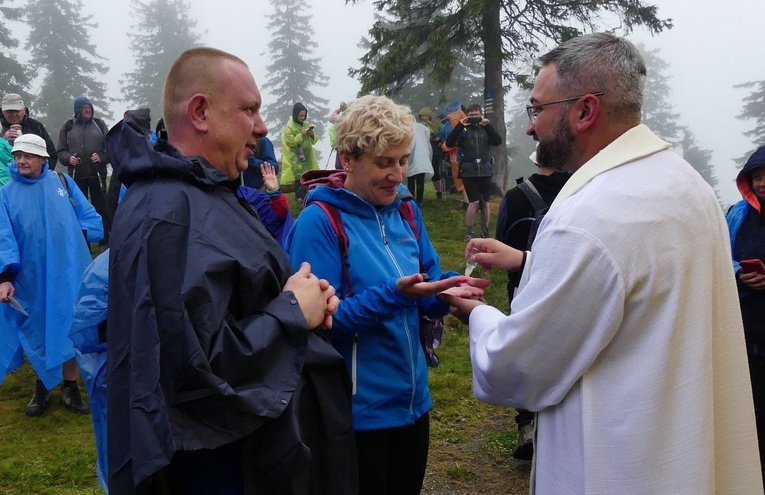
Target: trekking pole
(326, 165)
(442, 180)
(484, 219)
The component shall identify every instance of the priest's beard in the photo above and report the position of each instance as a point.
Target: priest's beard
(557, 152)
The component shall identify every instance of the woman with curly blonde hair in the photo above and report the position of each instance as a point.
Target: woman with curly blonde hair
(381, 278)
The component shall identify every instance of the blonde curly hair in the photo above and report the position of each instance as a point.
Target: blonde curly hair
(373, 124)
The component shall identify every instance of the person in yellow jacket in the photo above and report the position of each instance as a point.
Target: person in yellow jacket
(298, 138)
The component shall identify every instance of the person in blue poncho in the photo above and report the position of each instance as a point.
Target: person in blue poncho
(43, 254)
(88, 334)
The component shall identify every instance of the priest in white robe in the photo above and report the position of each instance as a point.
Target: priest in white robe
(625, 335)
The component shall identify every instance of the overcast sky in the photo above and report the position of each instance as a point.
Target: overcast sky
(713, 46)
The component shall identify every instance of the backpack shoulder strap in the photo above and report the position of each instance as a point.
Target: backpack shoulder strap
(342, 239)
(407, 213)
(531, 193)
(62, 179)
(540, 208)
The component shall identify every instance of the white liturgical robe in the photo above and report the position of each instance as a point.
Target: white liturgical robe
(625, 335)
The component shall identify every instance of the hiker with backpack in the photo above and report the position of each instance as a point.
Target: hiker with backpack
(42, 257)
(362, 232)
(519, 215)
(81, 150)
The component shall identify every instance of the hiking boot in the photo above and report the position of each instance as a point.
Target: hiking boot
(39, 401)
(71, 399)
(439, 195)
(524, 450)
(468, 236)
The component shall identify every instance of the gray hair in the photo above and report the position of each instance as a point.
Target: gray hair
(602, 62)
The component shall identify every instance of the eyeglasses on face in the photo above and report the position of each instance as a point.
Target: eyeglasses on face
(533, 110)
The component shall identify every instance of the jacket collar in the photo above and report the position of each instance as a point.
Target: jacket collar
(16, 175)
(634, 144)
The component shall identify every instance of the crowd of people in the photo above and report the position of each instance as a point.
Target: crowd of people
(227, 350)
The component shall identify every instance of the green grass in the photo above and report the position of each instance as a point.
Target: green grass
(55, 453)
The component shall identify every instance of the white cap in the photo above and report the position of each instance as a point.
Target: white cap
(12, 101)
(30, 143)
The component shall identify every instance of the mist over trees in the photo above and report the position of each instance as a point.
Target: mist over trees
(699, 158)
(753, 109)
(13, 76)
(163, 30)
(63, 56)
(293, 71)
(465, 86)
(658, 113)
(519, 145)
(421, 89)
(431, 34)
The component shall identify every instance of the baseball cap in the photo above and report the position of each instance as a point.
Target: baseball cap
(13, 101)
(30, 143)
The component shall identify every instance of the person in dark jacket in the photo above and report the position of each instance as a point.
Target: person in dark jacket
(473, 135)
(14, 112)
(216, 382)
(516, 217)
(746, 223)
(81, 150)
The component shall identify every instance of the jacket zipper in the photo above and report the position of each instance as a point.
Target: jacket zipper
(354, 353)
(407, 331)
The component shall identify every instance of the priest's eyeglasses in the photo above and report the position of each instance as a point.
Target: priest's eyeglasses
(533, 110)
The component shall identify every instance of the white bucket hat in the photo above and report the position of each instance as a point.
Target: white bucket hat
(30, 143)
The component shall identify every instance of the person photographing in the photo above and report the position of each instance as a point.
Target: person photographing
(473, 136)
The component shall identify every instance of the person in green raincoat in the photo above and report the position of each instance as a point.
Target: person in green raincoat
(298, 138)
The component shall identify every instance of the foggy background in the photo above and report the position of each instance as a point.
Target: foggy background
(712, 47)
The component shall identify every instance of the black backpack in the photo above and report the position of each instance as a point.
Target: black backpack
(540, 209)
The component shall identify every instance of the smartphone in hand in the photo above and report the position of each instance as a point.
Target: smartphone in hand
(755, 265)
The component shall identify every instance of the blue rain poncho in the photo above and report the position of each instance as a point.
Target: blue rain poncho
(42, 245)
(90, 351)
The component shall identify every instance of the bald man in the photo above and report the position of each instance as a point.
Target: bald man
(208, 327)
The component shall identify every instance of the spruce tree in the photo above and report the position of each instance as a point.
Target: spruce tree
(13, 75)
(430, 35)
(293, 72)
(164, 30)
(699, 158)
(65, 59)
(658, 111)
(753, 109)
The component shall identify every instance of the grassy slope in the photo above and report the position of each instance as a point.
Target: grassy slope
(470, 441)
